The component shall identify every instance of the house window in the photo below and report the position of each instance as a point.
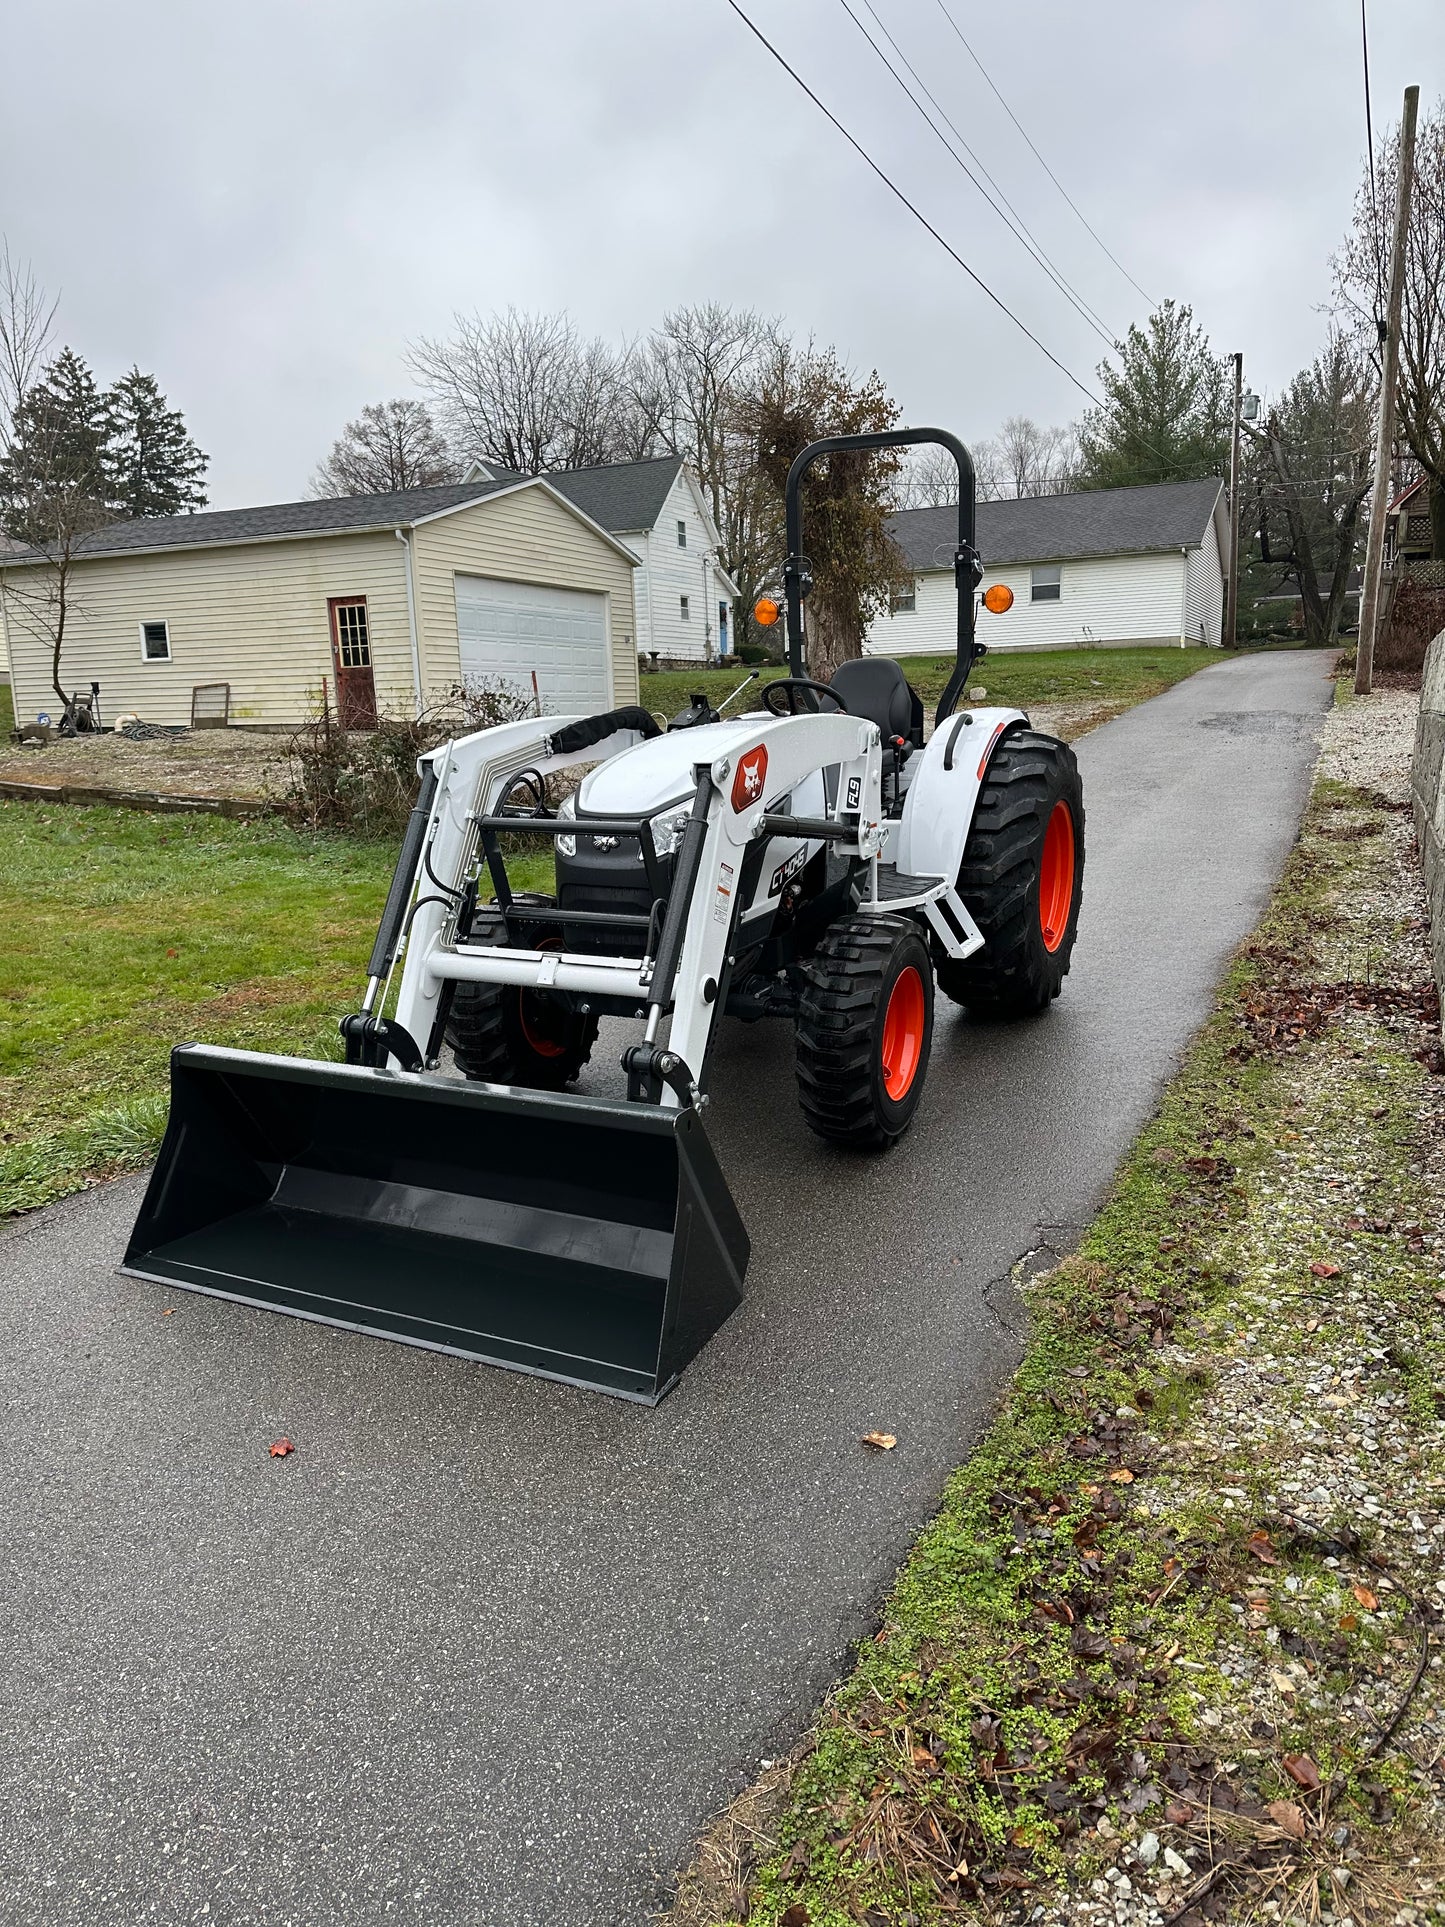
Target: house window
(682, 535)
(685, 607)
(1047, 582)
(903, 601)
(155, 642)
(353, 639)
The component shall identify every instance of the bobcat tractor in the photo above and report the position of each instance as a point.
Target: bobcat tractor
(818, 861)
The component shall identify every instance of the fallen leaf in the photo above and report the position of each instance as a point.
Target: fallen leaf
(795, 1916)
(1284, 1684)
(1349, 1622)
(281, 1448)
(1258, 1543)
(881, 1442)
(1366, 1598)
(169, 1312)
(173, 953)
(1303, 1771)
(1121, 1475)
(1323, 1270)
(1287, 1817)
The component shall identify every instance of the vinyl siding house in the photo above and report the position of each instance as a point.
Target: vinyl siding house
(383, 601)
(1105, 568)
(684, 594)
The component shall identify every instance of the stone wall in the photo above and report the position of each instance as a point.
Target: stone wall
(1427, 779)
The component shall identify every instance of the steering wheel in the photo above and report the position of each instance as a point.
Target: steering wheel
(787, 688)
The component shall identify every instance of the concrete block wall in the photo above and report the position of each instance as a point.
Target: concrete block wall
(1427, 780)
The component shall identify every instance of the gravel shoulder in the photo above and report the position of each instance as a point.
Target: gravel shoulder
(1171, 1651)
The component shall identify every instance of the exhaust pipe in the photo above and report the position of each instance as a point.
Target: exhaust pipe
(589, 1242)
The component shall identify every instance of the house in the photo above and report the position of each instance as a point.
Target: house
(684, 594)
(1410, 539)
(1103, 568)
(381, 601)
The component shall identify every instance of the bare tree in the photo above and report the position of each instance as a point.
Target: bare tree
(1361, 273)
(929, 477)
(1036, 461)
(526, 392)
(1312, 466)
(391, 445)
(27, 314)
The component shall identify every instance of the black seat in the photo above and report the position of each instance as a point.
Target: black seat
(876, 688)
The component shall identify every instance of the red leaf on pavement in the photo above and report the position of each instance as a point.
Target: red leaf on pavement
(281, 1448)
(1322, 1270)
(1303, 1771)
(880, 1441)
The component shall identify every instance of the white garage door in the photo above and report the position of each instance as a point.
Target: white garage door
(509, 629)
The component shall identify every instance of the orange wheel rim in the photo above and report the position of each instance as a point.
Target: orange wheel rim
(537, 1040)
(903, 1024)
(1056, 876)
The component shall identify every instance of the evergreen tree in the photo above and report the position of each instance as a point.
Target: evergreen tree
(152, 466)
(58, 452)
(1165, 416)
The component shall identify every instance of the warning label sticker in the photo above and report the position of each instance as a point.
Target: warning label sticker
(722, 903)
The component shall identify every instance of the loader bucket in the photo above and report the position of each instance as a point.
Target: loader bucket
(592, 1242)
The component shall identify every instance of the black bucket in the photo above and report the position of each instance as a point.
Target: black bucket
(595, 1243)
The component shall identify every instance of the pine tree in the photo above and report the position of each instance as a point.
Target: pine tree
(58, 454)
(152, 465)
(1165, 416)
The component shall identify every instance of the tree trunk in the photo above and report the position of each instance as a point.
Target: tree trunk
(831, 638)
(59, 638)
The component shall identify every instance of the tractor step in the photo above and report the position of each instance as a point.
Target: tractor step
(897, 887)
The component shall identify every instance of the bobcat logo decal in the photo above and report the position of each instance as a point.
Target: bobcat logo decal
(748, 783)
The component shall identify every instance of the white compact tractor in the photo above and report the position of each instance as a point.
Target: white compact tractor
(819, 862)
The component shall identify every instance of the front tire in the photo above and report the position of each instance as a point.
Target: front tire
(502, 1034)
(1022, 878)
(865, 1027)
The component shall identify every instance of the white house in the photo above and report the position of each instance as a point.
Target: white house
(684, 595)
(1103, 568)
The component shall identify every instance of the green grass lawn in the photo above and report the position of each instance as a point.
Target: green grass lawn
(7, 710)
(1112, 676)
(127, 932)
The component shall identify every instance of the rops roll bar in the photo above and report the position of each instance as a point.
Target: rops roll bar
(967, 567)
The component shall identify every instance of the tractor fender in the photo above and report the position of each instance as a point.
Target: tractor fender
(940, 801)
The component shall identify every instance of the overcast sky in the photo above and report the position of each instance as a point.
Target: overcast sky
(263, 203)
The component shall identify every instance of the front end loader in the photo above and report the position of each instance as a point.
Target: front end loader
(820, 862)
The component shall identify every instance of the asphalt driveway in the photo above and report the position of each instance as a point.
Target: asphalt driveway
(488, 1650)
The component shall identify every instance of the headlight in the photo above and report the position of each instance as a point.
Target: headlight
(667, 829)
(567, 845)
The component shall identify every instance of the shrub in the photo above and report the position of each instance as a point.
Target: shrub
(364, 781)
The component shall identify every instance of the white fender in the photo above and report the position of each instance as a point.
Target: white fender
(940, 801)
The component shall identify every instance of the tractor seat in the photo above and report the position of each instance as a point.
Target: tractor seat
(876, 688)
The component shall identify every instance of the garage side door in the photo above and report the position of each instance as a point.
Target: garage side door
(508, 629)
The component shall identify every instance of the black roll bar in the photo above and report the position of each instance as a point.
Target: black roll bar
(967, 568)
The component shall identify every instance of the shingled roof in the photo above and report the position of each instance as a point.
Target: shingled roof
(622, 496)
(330, 515)
(1066, 528)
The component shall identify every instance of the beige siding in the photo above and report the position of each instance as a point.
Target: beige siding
(522, 536)
(254, 615)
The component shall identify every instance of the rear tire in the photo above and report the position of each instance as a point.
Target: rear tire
(1022, 879)
(865, 1025)
(502, 1034)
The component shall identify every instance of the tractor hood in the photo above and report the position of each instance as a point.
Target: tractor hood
(655, 773)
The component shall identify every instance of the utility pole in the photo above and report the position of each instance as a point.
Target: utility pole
(1385, 432)
(1231, 600)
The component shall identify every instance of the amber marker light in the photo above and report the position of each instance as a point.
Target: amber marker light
(998, 598)
(766, 612)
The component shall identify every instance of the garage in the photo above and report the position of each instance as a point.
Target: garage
(506, 630)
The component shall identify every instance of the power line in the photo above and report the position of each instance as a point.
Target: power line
(918, 216)
(1012, 219)
(1039, 157)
